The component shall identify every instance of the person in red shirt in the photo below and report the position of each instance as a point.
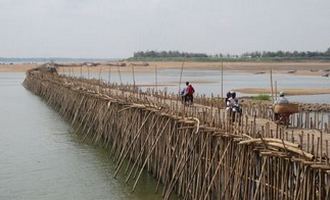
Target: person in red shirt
(189, 94)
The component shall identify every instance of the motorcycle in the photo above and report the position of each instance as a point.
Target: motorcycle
(235, 112)
(282, 118)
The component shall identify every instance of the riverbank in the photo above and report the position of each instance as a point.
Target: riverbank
(287, 91)
(298, 68)
(16, 67)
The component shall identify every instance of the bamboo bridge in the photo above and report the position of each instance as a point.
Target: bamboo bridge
(193, 151)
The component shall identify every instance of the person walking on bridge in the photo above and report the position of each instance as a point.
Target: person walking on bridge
(189, 93)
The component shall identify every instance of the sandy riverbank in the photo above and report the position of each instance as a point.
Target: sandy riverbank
(287, 91)
(297, 68)
(16, 67)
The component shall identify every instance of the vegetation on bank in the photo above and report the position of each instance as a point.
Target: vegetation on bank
(253, 56)
(262, 97)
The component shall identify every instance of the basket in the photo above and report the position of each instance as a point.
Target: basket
(286, 108)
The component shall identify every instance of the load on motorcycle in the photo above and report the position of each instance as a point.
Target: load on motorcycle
(232, 106)
(283, 109)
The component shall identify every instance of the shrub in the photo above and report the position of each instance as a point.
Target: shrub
(262, 97)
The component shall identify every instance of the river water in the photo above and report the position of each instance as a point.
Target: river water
(207, 81)
(41, 158)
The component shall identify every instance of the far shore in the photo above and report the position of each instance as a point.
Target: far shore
(311, 68)
(292, 68)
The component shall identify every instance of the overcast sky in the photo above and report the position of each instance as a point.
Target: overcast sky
(117, 28)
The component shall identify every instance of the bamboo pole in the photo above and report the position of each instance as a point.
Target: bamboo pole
(180, 80)
(119, 74)
(216, 171)
(271, 84)
(109, 75)
(276, 92)
(133, 77)
(100, 73)
(156, 79)
(222, 79)
(149, 154)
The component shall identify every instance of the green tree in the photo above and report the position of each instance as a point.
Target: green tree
(328, 52)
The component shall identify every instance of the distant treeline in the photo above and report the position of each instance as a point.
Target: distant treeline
(168, 54)
(251, 56)
(287, 54)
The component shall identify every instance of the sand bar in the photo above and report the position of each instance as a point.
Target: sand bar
(287, 91)
(296, 68)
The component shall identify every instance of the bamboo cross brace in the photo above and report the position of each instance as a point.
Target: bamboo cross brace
(216, 171)
(131, 144)
(152, 148)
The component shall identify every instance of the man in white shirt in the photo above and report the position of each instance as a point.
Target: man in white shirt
(282, 99)
(278, 117)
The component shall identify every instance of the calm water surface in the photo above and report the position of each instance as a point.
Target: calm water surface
(40, 157)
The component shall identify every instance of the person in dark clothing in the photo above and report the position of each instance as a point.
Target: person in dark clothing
(227, 97)
(183, 95)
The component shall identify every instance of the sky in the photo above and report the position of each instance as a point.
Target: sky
(118, 28)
